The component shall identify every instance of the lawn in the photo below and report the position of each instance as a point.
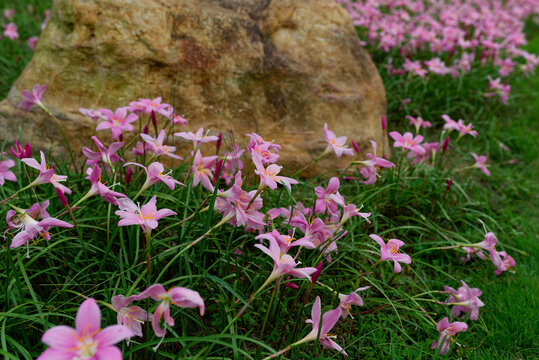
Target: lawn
(433, 207)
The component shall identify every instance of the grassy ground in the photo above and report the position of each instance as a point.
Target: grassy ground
(100, 260)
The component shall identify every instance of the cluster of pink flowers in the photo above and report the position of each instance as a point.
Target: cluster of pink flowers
(448, 38)
(10, 30)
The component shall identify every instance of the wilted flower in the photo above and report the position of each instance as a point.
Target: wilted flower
(506, 263)
(447, 331)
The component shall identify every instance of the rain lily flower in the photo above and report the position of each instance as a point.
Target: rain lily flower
(177, 119)
(10, 31)
(156, 145)
(98, 188)
(104, 155)
(283, 263)
(197, 138)
(481, 163)
(9, 13)
(131, 317)
(466, 129)
(489, 244)
(437, 66)
(322, 325)
(93, 114)
(371, 165)
(19, 152)
(87, 340)
(32, 42)
(286, 242)
(269, 177)
(506, 263)
(323, 200)
(418, 123)
(336, 144)
(430, 149)
(33, 98)
(349, 211)
(46, 175)
(154, 175)
(407, 141)
(471, 251)
(450, 124)
(390, 251)
(351, 299)
(202, 170)
(146, 215)
(267, 151)
(117, 122)
(155, 106)
(179, 296)
(32, 223)
(5, 173)
(447, 331)
(465, 299)
(498, 89)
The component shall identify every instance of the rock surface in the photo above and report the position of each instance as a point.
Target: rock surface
(281, 68)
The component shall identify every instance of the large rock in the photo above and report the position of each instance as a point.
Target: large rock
(281, 68)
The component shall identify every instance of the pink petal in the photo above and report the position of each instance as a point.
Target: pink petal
(112, 335)
(60, 337)
(88, 317)
(109, 353)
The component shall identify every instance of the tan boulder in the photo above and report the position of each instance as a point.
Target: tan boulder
(281, 68)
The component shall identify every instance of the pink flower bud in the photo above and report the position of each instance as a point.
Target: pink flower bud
(62, 198)
(356, 147)
(217, 172)
(19, 152)
(291, 285)
(128, 175)
(384, 123)
(449, 184)
(154, 120)
(318, 271)
(445, 144)
(145, 129)
(218, 142)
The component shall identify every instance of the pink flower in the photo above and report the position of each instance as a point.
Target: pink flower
(146, 215)
(105, 156)
(202, 170)
(156, 145)
(349, 211)
(117, 122)
(323, 200)
(197, 138)
(93, 114)
(447, 331)
(5, 173)
(414, 67)
(430, 149)
(407, 141)
(505, 264)
(98, 188)
(269, 176)
(336, 144)
(418, 123)
(10, 31)
(19, 152)
(46, 175)
(155, 106)
(283, 263)
(154, 175)
(348, 300)
(9, 13)
(450, 124)
(268, 152)
(466, 129)
(481, 163)
(87, 340)
(322, 325)
(131, 317)
(178, 119)
(32, 98)
(489, 244)
(32, 223)
(464, 300)
(179, 296)
(498, 89)
(32, 42)
(286, 242)
(371, 165)
(437, 66)
(390, 251)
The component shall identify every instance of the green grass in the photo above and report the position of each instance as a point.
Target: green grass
(100, 260)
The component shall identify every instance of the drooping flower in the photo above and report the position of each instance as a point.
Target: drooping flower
(269, 176)
(146, 215)
(390, 251)
(154, 175)
(407, 141)
(156, 145)
(447, 331)
(202, 170)
(117, 122)
(104, 155)
(371, 165)
(506, 263)
(19, 152)
(283, 263)
(336, 144)
(131, 317)
(35, 97)
(179, 296)
(322, 325)
(98, 188)
(87, 340)
(351, 299)
(489, 244)
(481, 163)
(324, 200)
(46, 175)
(5, 173)
(197, 138)
(465, 300)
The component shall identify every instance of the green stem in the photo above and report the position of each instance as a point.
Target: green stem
(269, 308)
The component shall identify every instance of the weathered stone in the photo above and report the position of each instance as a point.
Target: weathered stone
(281, 68)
